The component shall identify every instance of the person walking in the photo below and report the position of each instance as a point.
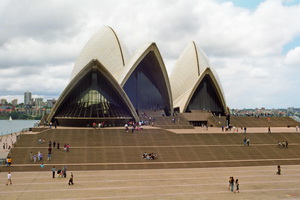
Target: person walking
(65, 171)
(9, 179)
(31, 156)
(71, 179)
(53, 171)
(269, 129)
(278, 170)
(231, 184)
(237, 186)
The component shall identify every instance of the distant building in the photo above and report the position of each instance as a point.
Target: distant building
(27, 98)
(38, 102)
(50, 102)
(3, 101)
(14, 102)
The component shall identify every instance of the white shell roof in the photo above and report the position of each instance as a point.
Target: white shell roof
(105, 47)
(189, 66)
(187, 74)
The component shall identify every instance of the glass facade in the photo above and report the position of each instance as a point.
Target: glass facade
(206, 98)
(146, 87)
(93, 97)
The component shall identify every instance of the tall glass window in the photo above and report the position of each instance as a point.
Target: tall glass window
(206, 97)
(146, 87)
(93, 97)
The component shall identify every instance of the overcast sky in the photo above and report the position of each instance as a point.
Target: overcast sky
(254, 45)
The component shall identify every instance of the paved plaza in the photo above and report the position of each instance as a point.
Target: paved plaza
(193, 183)
(167, 179)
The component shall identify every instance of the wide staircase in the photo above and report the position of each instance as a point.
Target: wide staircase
(102, 149)
(251, 121)
(159, 119)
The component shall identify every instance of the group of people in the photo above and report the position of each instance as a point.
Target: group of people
(62, 173)
(99, 125)
(134, 126)
(6, 146)
(283, 144)
(233, 183)
(246, 141)
(34, 158)
(149, 156)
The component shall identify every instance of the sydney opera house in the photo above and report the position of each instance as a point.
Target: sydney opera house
(107, 84)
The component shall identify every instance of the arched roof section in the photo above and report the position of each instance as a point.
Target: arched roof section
(93, 65)
(183, 101)
(140, 55)
(104, 46)
(188, 68)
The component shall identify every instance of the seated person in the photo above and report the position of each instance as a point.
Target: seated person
(145, 155)
(58, 173)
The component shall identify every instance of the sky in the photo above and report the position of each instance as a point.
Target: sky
(254, 46)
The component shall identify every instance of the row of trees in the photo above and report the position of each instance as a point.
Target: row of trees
(17, 115)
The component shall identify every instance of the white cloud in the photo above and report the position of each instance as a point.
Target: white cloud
(293, 57)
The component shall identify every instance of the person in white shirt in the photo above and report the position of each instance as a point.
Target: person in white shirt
(8, 178)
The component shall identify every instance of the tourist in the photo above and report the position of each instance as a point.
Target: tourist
(49, 157)
(283, 143)
(237, 186)
(59, 173)
(42, 166)
(286, 144)
(231, 184)
(34, 158)
(245, 140)
(248, 141)
(53, 171)
(71, 179)
(9, 161)
(31, 156)
(245, 129)
(39, 155)
(54, 144)
(279, 144)
(126, 127)
(278, 170)
(65, 171)
(50, 143)
(269, 129)
(40, 140)
(58, 145)
(9, 179)
(297, 128)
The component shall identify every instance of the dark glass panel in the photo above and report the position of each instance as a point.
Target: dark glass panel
(146, 86)
(206, 98)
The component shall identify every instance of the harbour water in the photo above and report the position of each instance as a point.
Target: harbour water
(13, 126)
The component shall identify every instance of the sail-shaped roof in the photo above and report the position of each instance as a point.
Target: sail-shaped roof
(190, 69)
(105, 47)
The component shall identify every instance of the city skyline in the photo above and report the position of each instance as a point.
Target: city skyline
(254, 46)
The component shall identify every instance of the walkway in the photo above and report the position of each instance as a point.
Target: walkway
(193, 183)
